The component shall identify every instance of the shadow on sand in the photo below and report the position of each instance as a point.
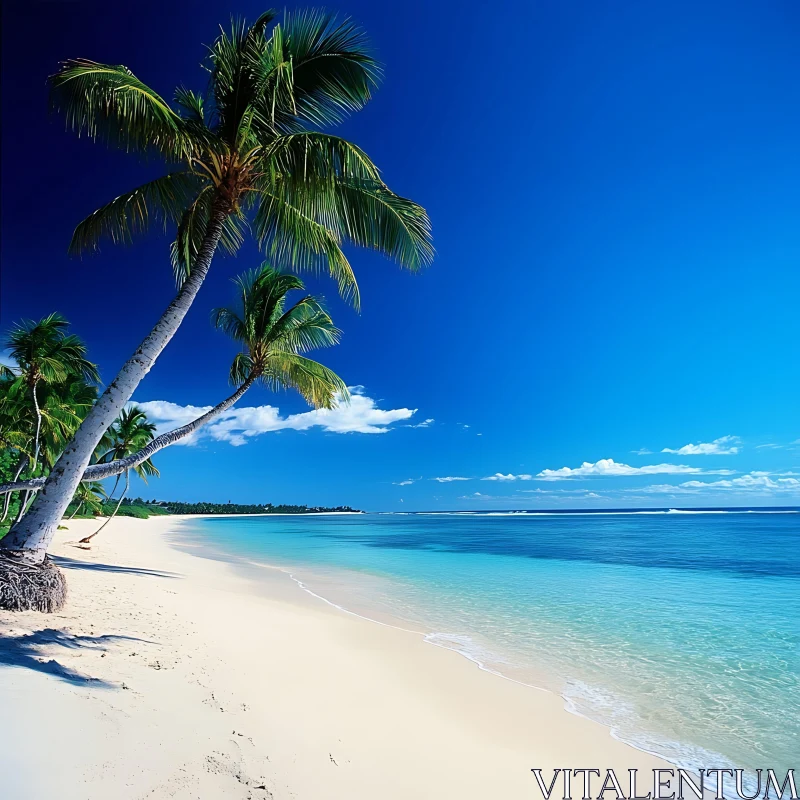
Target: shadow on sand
(23, 651)
(73, 563)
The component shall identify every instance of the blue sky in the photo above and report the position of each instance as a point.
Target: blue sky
(613, 191)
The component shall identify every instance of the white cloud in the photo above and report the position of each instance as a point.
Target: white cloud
(407, 481)
(642, 452)
(769, 446)
(237, 425)
(450, 479)
(498, 476)
(426, 423)
(724, 446)
(607, 467)
(757, 482)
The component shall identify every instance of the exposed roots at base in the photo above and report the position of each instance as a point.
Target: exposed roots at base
(31, 587)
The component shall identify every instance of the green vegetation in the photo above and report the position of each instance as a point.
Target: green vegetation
(142, 509)
(129, 434)
(45, 393)
(237, 508)
(247, 155)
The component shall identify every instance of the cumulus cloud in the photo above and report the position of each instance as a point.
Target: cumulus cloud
(757, 482)
(450, 479)
(607, 467)
(237, 425)
(724, 446)
(498, 476)
(426, 423)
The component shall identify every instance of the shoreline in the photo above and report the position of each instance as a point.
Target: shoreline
(341, 583)
(222, 683)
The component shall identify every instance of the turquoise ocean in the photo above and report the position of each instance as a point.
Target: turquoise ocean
(680, 630)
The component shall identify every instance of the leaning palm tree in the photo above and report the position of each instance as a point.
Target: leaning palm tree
(89, 498)
(129, 434)
(273, 339)
(246, 153)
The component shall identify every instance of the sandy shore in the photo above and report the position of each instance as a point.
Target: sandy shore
(168, 675)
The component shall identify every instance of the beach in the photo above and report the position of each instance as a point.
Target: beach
(172, 675)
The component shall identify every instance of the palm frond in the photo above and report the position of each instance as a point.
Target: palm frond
(320, 386)
(229, 322)
(147, 469)
(294, 238)
(164, 199)
(334, 71)
(372, 216)
(108, 102)
(314, 159)
(305, 326)
(241, 369)
(192, 103)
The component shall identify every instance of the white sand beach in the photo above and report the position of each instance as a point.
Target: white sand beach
(168, 675)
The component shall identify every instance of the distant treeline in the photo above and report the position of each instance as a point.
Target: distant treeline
(175, 507)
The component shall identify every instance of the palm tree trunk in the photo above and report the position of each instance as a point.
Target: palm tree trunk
(116, 483)
(99, 472)
(21, 464)
(38, 427)
(88, 539)
(29, 539)
(25, 500)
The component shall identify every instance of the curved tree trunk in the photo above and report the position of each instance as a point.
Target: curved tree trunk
(99, 472)
(38, 427)
(116, 483)
(88, 539)
(23, 504)
(29, 539)
(21, 464)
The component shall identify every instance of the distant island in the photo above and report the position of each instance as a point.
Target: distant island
(266, 508)
(142, 509)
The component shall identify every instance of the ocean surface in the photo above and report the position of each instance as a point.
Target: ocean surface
(678, 630)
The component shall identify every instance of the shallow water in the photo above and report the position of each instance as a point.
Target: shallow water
(680, 631)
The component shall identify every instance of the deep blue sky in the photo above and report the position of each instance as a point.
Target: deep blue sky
(615, 205)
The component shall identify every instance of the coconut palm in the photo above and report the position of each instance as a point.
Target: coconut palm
(244, 154)
(44, 353)
(89, 498)
(129, 434)
(45, 395)
(273, 340)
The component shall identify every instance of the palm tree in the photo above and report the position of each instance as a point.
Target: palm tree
(44, 353)
(273, 341)
(89, 498)
(48, 380)
(129, 434)
(245, 154)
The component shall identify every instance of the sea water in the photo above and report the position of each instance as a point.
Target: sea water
(680, 631)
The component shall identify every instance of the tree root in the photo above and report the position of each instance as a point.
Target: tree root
(31, 587)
